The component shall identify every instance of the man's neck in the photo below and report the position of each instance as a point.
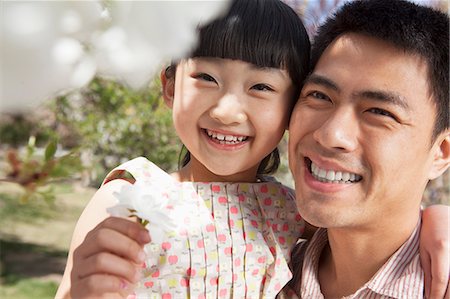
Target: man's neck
(353, 256)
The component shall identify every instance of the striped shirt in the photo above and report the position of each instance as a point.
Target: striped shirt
(400, 277)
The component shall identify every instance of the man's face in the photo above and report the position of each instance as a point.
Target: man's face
(360, 135)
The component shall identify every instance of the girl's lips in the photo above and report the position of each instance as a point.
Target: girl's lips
(225, 142)
(223, 134)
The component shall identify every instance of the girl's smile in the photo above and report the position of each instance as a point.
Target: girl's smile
(225, 140)
(229, 114)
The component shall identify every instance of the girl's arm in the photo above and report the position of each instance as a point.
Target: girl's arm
(435, 250)
(104, 251)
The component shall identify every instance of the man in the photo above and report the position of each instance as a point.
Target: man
(369, 131)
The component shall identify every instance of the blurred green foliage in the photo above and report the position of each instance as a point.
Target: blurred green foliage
(111, 123)
(85, 134)
(16, 129)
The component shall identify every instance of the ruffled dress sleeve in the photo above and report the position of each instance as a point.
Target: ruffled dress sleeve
(234, 241)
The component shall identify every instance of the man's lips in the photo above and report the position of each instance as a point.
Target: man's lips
(335, 176)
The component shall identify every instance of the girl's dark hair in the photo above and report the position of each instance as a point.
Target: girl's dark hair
(267, 166)
(266, 33)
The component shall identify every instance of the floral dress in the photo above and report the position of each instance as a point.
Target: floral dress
(233, 240)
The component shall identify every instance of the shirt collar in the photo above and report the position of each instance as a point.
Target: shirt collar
(403, 266)
(398, 273)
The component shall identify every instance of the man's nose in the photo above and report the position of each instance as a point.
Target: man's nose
(338, 131)
(229, 109)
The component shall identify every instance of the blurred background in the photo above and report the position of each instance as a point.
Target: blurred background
(54, 156)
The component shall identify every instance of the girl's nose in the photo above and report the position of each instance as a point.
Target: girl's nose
(338, 131)
(229, 110)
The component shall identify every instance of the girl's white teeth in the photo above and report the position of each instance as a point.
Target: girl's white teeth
(229, 139)
(331, 176)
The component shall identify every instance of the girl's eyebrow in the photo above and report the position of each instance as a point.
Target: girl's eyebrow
(265, 68)
(251, 66)
(273, 71)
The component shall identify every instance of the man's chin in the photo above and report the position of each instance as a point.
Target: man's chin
(323, 217)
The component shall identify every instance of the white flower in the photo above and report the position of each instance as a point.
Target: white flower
(153, 203)
(49, 47)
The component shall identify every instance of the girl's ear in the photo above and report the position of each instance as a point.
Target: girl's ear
(168, 88)
(441, 158)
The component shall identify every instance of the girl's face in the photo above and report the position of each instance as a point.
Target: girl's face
(229, 114)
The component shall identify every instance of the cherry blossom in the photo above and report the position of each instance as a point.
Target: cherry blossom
(51, 47)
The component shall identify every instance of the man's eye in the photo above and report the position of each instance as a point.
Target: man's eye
(262, 87)
(318, 95)
(381, 112)
(204, 77)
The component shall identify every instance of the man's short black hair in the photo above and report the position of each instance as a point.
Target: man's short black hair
(415, 29)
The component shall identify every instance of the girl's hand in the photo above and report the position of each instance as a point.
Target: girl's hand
(109, 259)
(435, 251)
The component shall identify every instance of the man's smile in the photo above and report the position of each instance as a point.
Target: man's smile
(330, 175)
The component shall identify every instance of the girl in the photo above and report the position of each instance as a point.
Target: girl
(231, 102)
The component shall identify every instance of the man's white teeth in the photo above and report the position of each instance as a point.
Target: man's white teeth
(331, 176)
(226, 139)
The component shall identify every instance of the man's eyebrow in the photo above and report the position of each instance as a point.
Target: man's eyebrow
(321, 80)
(376, 95)
(385, 97)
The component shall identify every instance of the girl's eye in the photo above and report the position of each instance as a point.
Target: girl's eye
(382, 112)
(204, 77)
(262, 87)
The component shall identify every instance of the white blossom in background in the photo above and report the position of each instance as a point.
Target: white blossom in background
(49, 47)
(42, 51)
(144, 30)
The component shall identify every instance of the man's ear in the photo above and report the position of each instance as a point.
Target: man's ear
(441, 155)
(168, 88)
